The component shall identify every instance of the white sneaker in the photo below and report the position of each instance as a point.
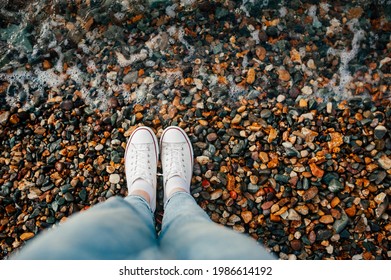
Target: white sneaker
(141, 157)
(177, 160)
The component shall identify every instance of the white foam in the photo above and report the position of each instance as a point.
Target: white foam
(345, 76)
(75, 74)
(255, 36)
(170, 10)
(283, 11)
(123, 62)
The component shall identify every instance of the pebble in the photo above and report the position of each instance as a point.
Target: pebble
(293, 215)
(114, 178)
(247, 216)
(67, 105)
(216, 194)
(98, 147)
(385, 162)
(202, 160)
(306, 90)
(380, 132)
(326, 219)
(4, 116)
(310, 193)
(335, 186)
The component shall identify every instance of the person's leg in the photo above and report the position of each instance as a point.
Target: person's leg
(188, 233)
(116, 229)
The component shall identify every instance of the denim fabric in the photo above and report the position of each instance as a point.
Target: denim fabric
(124, 229)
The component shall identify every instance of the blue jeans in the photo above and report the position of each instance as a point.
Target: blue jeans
(123, 228)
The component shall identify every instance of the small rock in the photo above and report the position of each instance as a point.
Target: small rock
(323, 234)
(272, 134)
(351, 211)
(236, 119)
(293, 215)
(216, 194)
(265, 113)
(246, 216)
(114, 178)
(10, 209)
(202, 160)
(59, 166)
(113, 102)
(335, 202)
(385, 162)
(263, 157)
(40, 130)
(336, 140)
(335, 185)
(380, 131)
(98, 147)
(326, 219)
(4, 117)
(310, 193)
(283, 75)
(280, 98)
(211, 137)
(316, 171)
(234, 219)
(250, 76)
(306, 90)
(26, 236)
(14, 119)
(302, 209)
(131, 77)
(66, 105)
(380, 198)
(296, 244)
(267, 205)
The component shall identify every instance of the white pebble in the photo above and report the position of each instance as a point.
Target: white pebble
(202, 160)
(98, 147)
(309, 116)
(306, 90)
(329, 108)
(114, 178)
(280, 98)
(330, 249)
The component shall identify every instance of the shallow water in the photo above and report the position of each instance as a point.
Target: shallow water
(49, 46)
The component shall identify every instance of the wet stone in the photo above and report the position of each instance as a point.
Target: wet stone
(67, 105)
(324, 234)
(335, 185)
(114, 178)
(68, 197)
(310, 193)
(380, 132)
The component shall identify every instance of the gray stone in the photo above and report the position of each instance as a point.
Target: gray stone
(340, 224)
(131, 77)
(293, 215)
(380, 131)
(252, 188)
(335, 185)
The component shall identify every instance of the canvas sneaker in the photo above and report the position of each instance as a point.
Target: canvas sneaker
(141, 158)
(177, 160)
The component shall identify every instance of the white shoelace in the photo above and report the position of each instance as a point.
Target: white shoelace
(140, 165)
(174, 161)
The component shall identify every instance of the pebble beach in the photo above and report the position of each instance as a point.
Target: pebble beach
(287, 104)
